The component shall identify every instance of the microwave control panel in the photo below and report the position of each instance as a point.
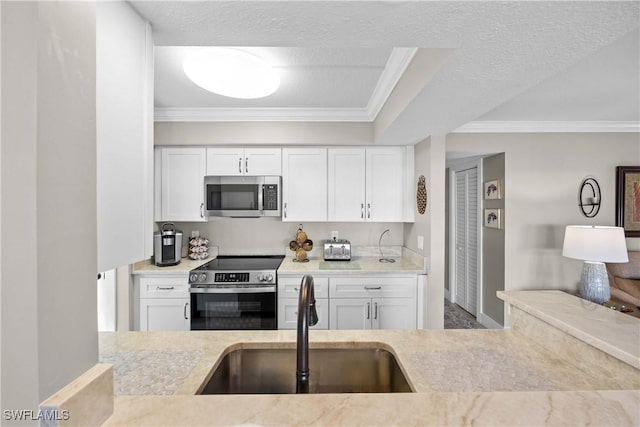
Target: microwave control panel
(270, 197)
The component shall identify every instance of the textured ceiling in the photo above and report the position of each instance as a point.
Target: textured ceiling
(311, 77)
(501, 49)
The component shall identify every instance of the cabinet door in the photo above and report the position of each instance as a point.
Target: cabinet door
(164, 314)
(393, 313)
(384, 188)
(263, 161)
(182, 184)
(350, 313)
(289, 286)
(288, 313)
(225, 161)
(304, 182)
(346, 184)
(164, 287)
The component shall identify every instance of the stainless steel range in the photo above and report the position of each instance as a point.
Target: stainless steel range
(235, 293)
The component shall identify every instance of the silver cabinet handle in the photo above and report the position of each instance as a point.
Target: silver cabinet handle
(285, 210)
(186, 304)
(201, 210)
(375, 311)
(362, 210)
(246, 165)
(240, 165)
(373, 288)
(368, 210)
(368, 310)
(164, 288)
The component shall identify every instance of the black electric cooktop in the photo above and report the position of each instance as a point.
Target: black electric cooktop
(243, 263)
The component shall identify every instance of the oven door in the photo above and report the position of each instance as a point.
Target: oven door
(217, 309)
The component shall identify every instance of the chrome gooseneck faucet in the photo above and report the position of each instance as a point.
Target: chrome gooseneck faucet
(382, 257)
(307, 316)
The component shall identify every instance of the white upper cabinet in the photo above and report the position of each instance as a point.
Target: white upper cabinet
(385, 187)
(367, 184)
(346, 184)
(181, 190)
(304, 184)
(230, 161)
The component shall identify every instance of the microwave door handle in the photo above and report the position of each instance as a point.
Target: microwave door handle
(261, 197)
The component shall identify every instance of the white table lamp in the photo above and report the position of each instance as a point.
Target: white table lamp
(595, 245)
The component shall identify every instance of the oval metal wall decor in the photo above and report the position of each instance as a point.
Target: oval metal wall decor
(589, 197)
(421, 195)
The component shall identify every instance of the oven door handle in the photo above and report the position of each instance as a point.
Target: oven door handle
(261, 290)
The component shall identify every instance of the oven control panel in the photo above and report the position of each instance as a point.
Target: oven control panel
(219, 277)
(231, 277)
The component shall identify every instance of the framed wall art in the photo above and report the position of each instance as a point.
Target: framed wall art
(628, 199)
(493, 218)
(492, 189)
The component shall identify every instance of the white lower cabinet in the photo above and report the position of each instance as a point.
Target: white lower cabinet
(372, 313)
(169, 314)
(373, 303)
(348, 302)
(288, 294)
(288, 313)
(164, 303)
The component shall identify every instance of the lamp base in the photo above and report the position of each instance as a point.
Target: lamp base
(594, 282)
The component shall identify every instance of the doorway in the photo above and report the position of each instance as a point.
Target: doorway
(464, 235)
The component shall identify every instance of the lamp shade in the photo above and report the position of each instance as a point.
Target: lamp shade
(595, 243)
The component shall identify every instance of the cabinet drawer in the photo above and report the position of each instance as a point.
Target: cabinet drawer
(288, 313)
(289, 287)
(164, 287)
(373, 287)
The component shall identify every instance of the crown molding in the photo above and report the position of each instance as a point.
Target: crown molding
(396, 65)
(261, 114)
(548, 127)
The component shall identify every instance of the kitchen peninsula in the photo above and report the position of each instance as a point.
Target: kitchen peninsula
(567, 373)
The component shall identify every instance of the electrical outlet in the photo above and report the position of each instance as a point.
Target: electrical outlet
(334, 235)
(421, 243)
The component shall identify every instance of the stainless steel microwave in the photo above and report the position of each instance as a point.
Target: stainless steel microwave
(242, 196)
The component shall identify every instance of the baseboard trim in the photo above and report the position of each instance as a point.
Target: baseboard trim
(488, 322)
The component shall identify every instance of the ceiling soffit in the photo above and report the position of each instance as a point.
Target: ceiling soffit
(304, 101)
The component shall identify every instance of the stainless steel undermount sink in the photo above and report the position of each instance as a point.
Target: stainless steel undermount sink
(332, 370)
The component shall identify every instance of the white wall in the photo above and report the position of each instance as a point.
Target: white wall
(252, 133)
(49, 324)
(429, 161)
(543, 173)
(267, 236)
(125, 135)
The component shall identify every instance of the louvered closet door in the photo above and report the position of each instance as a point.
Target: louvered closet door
(466, 235)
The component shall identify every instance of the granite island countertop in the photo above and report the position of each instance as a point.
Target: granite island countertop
(460, 377)
(532, 374)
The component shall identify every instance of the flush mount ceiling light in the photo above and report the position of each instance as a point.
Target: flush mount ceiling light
(231, 72)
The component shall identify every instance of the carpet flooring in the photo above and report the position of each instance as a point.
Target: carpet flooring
(457, 318)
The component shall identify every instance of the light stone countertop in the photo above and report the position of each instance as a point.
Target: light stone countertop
(147, 267)
(612, 332)
(364, 262)
(460, 377)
